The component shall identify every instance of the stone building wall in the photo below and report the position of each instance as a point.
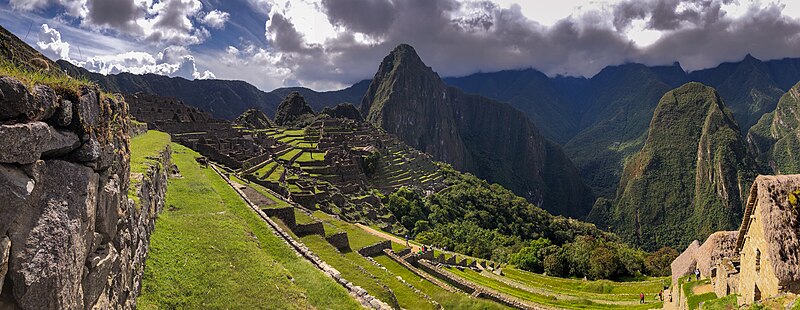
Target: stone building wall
(751, 277)
(70, 237)
(375, 249)
(315, 228)
(339, 241)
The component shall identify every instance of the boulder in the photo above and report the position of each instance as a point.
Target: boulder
(27, 142)
(50, 243)
(16, 102)
(87, 109)
(16, 192)
(14, 98)
(22, 143)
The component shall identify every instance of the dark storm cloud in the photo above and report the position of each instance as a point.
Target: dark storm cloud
(119, 14)
(373, 17)
(458, 38)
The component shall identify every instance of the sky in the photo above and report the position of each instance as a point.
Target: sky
(331, 44)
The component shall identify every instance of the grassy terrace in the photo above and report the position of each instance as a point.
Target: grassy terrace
(447, 299)
(143, 146)
(535, 294)
(279, 203)
(147, 145)
(383, 283)
(291, 154)
(210, 251)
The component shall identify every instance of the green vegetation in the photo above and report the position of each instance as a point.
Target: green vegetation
(447, 299)
(210, 250)
(725, 303)
(669, 193)
(560, 299)
(775, 137)
(291, 154)
(145, 147)
(54, 78)
(490, 222)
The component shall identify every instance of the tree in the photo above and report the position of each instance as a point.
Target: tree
(603, 263)
(531, 257)
(658, 263)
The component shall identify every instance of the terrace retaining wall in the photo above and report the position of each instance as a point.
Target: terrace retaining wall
(315, 228)
(375, 249)
(339, 241)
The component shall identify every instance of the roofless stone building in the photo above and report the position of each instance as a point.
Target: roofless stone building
(762, 259)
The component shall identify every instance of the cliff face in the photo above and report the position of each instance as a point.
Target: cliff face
(690, 177)
(69, 236)
(775, 139)
(475, 134)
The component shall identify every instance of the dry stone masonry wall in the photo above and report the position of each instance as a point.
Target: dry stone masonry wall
(70, 238)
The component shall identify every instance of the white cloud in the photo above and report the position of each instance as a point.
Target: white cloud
(215, 19)
(175, 61)
(50, 43)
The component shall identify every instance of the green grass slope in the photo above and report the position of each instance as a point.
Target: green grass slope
(775, 137)
(210, 251)
(689, 178)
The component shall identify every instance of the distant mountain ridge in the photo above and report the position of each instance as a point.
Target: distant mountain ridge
(475, 134)
(601, 121)
(224, 99)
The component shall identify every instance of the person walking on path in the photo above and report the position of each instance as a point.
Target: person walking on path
(641, 298)
(407, 241)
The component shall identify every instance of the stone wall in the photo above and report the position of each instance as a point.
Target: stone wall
(339, 241)
(285, 214)
(314, 228)
(70, 236)
(375, 249)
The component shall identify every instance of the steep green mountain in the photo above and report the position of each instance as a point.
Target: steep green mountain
(775, 139)
(488, 138)
(602, 120)
(224, 99)
(690, 177)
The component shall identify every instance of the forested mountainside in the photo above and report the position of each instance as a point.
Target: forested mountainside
(473, 133)
(690, 177)
(602, 120)
(775, 139)
(224, 99)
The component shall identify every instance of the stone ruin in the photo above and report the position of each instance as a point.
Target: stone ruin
(70, 237)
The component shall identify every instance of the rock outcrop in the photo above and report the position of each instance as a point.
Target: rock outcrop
(254, 119)
(69, 236)
(488, 138)
(690, 177)
(292, 108)
(344, 110)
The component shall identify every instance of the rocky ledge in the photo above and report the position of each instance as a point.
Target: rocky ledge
(70, 238)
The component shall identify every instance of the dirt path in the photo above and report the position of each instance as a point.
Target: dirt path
(388, 236)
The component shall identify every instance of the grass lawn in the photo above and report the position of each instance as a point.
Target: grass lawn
(260, 173)
(147, 145)
(447, 299)
(289, 155)
(308, 156)
(568, 302)
(210, 251)
(612, 290)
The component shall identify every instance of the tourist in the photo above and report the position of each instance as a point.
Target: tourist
(406, 240)
(641, 298)
(661, 295)
(697, 274)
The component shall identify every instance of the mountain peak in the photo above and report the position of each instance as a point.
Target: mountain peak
(403, 54)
